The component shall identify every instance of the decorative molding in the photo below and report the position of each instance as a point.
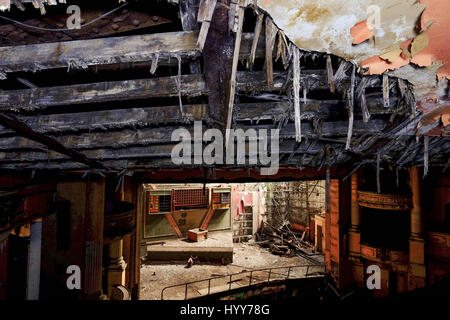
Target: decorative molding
(384, 201)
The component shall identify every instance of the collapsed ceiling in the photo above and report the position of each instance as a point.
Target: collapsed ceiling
(113, 114)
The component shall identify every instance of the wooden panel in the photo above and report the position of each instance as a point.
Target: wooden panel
(156, 226)
(220, 220)
(173, 224)
(189, 219)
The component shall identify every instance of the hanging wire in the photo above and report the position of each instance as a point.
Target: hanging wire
(64, 29)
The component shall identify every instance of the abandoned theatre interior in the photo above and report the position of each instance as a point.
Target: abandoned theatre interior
(115, 183)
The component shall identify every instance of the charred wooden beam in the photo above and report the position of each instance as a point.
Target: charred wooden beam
(150, 153)
(156, 142)
(114, 119)
(271, 33)
(296, 80)
(25, 131)
(40, 98)
(218, 61)
(257, 33)
(205, 16)
(237, 49)
(214, 83)
(84, 53)
(188, 15)
(120, 119)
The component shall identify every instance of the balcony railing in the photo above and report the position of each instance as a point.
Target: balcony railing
(272, 274)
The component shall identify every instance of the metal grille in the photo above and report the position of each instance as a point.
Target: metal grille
(225, 198)
(165, 203)
(153, 204)
(216, 198)
(187, 199)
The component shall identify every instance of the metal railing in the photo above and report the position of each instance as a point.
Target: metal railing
(270, 271)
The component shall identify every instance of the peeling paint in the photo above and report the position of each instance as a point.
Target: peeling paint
(361, 32)
(412, 41)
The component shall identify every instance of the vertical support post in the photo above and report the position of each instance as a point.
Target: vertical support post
(34, 261)
(188, 15)
(416, 212)
(417, 270)
(237, 48)
(355, 209)
(354, 234)
(117, 266)
(4, 244)
(218, 61)
(94, 221)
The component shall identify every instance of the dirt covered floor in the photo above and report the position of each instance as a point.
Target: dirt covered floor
(155, 277)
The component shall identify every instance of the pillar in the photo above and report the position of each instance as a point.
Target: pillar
(417, 271)
(117, 266)
(94, 220)
(4, 241)
(355, 233)
(34, 261)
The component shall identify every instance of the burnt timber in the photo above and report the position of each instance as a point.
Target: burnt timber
(102, 103)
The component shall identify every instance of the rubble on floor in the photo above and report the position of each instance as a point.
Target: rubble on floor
(284, 241)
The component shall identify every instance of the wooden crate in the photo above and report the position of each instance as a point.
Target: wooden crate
(196, 235)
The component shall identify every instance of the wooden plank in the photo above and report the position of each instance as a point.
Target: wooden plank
(191, 85)
(155, 151)
(188, 16)
(386, 90)
(298, 128)
(205, 15)
(271, 33)
(218, 62)
(330, 74)
(137, 164)
(40, 98)
(113, 119)
(237, 49)
(351, 102)
(69, 129)
(256, 36)
(77, 122)
(84, 53)
(24, 130)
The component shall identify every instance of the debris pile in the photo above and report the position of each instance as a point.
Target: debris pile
(283, 241)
